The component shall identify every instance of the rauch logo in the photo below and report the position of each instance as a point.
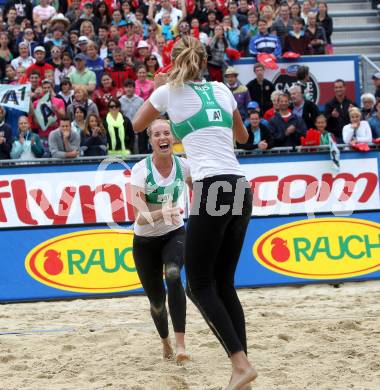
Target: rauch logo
(321, 248)
(91, 261)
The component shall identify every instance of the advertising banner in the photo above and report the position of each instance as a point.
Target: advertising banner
(324, 70)
(282, 185)
(328, 232)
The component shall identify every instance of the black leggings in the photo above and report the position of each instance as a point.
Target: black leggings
(152, 256)
(212, 250)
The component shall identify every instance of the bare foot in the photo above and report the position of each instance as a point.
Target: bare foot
(167, 348)
(181, 355)
(242, 378)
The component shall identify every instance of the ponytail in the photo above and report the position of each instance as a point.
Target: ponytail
(187, 56)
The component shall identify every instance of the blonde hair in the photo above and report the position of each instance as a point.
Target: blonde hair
(82, 88)
(354, 110)
(84, 24)
(187, 57)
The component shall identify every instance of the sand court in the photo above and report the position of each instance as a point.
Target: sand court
(315, 337)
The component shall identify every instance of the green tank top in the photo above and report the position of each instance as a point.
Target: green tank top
(157, 194)
(210, 114)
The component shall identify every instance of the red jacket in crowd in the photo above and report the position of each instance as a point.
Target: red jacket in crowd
(119, 73)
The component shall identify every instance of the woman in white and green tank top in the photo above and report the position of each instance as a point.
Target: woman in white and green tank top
(158, 182)
(205, 117)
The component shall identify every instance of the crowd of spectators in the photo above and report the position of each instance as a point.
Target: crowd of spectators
(92, 62)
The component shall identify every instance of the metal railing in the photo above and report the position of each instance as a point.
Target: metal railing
(367, 68)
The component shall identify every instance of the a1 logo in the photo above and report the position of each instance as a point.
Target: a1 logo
(214, 115)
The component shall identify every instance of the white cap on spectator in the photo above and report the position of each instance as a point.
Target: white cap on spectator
(143, 45)
(39, 48)
(83, 40)
(23, 43)
(376, 76)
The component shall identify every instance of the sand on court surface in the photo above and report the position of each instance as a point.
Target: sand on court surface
(314, 337)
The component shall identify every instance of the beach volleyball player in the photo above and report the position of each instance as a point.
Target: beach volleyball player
(205, 117)
(159, 234)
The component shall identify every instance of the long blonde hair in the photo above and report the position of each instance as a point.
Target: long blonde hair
(187, 56)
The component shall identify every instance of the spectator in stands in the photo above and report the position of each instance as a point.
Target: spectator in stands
(303, 79)
(248, 31)
(283, 24)
(144, 87)
(5, 137)
(102, 95)
(55, 57)
(267, 13)
(142, 51)
(82, 75)
(321, 126)
(102, 13)
(81, 99)
(57, 107)
(295, 12)
(325, 21)
(303, 109)
(73, 47)
(5, 53)
(39, 53)
(24, 59)
(260, 89)
(239, 91)
(306, 9)
(336, 110)
(66, 92)
(210, 8)
(264, 42)
(357, 131)
(64, 142)
(166, 7)
(374, 121)
(316, 34)
(94, 62)
(231, 33)
(120, 71)
(23, 8)
(216, 49)
(43, 13)
(28, 144)
(62, 72)
(286, 128)
(103, 39)
(296, 41)
(93, 139)
(238, 19)
(376, 81)
(259, 135)
(87, 15)
(35, 84)
(79, 121)
(209, 25)
(367, 105)
(274, 97)
(120, 133)
(129, 101)
(152, 66)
